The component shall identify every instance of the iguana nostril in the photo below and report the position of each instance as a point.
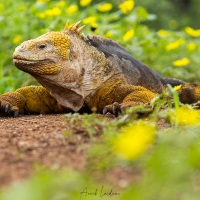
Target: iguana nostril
(22, 47)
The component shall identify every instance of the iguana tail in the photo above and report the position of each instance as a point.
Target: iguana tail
(188, 93)
(172, 81)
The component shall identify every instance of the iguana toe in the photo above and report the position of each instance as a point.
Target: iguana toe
(16, 113)
(114, 108)
(105, 111)
(11, 104)
(7, 108)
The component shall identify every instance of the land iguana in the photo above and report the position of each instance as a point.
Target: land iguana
(78, 71)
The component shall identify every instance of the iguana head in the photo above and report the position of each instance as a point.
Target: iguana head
(45, 54)
(63, 63)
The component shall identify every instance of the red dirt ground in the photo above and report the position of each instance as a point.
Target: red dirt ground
(29, 141)
(33, 141)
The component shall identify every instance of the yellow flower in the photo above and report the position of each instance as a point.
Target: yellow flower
(175, 44)
(105, 7)
(192, 32)
(185, 116)
(56, 11)
(17, 39)
(126, 6)
(162, 33)
(134, 139)
(72, 9)
(128, 35)
(191, 46)
(90, 20)
(85, 2)
(53, 12)
(182, 62)
(61, 4)
(178, 87)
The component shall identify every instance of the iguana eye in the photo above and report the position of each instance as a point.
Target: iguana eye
(42, 46)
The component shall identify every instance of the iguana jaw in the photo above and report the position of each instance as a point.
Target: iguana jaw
(45, 66)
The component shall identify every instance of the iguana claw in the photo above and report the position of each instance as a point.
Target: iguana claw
(7, 108)
(114, 108)
(105, 110)
(11, 104)
(16, 113)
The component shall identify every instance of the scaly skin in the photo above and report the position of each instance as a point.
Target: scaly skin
(84, 72)
(32, 99)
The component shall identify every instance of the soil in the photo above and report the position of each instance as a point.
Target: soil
(31, 141)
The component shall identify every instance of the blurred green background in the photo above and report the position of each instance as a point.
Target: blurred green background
(173, 14)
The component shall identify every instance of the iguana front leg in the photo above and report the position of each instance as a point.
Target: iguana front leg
(29, 99)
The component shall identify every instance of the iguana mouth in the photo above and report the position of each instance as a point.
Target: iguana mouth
(22, 61)
(42, 67)
(25, 61)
